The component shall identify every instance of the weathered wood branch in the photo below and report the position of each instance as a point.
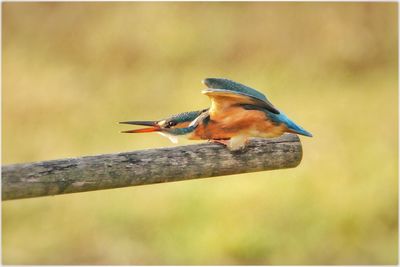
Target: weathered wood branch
(146, 167)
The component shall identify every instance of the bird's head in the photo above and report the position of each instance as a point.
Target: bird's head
(175, 125)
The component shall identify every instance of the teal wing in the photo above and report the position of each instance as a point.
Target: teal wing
(222, 99)
(219, 87)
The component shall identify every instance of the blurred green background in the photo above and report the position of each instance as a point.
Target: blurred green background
(71, 71)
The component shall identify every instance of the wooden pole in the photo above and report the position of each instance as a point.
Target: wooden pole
(147, 167)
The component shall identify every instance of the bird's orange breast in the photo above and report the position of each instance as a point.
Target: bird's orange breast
(237, 121)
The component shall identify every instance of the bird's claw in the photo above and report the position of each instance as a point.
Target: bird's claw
(219, 141)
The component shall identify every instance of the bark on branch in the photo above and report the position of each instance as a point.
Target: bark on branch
(146, 167)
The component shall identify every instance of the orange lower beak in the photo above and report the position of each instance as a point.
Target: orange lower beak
(143, 130)
(154, 127)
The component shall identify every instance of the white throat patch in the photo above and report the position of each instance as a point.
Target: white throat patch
(171, 137)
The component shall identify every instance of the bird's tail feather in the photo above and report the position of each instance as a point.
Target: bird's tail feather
(301, 131)
(294, 128)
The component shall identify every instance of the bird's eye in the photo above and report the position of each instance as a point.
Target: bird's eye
(171, 123)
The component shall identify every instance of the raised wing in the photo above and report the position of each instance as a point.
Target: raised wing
(220, 90)
(222, 99)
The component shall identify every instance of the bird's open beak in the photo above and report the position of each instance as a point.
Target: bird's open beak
(154, 127)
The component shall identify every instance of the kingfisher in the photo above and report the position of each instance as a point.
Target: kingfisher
(237, 112)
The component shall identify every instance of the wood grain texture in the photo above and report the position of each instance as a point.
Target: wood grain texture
(147, 167)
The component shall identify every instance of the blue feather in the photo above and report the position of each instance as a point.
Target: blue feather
(282, 118)
(185, 116)
(182, 131)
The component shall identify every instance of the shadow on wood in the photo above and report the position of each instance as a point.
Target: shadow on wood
(147, 167)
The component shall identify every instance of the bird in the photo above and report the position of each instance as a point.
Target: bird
(237, 112)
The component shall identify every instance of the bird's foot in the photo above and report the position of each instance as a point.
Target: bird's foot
(219, 141)
(237, 143)
(234, 144)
